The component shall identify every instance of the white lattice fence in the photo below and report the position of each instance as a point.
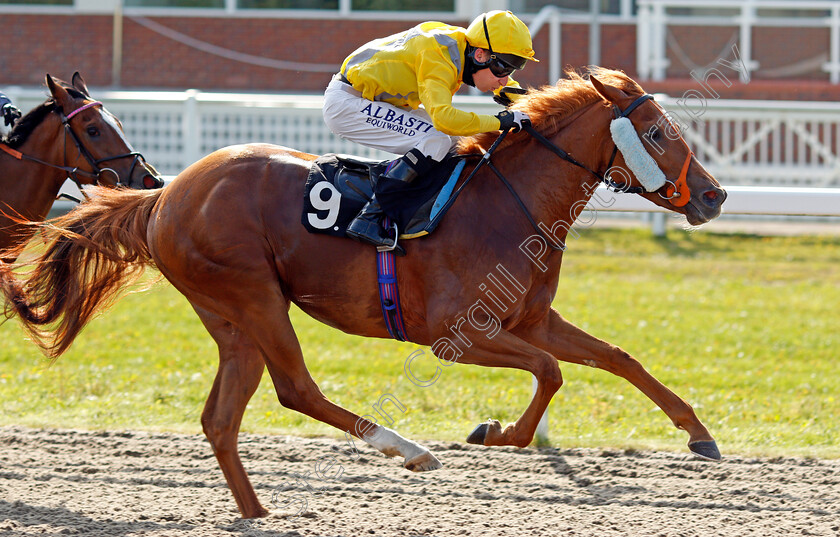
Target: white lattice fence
(767, 143)
(156, 130)
(741, 142)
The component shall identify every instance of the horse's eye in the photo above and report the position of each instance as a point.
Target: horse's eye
(654, 133)
(93, 132)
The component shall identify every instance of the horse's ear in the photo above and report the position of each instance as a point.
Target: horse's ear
(79, 84)
(610, 93)
(60, 95)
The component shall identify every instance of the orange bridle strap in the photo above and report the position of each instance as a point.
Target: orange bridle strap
(17, 154)
(680, 186)
(678, 192)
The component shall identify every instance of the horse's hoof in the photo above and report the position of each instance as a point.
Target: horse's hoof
(706, 450)
(423, 463)
(478, 434)
(255, 514)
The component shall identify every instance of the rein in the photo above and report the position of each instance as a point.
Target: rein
(74, 172)
(70, 171)
(485, 159)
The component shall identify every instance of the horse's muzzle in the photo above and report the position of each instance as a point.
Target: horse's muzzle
(713, 198)
(152, 181)
(705, 206)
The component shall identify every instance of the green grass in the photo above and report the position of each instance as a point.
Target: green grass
(743, 327)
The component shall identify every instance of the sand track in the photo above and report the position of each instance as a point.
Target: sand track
(159, 484)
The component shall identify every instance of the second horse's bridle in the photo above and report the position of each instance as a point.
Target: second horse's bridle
(72, 172)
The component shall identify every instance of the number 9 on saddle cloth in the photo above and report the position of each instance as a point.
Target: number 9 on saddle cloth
(338, 186)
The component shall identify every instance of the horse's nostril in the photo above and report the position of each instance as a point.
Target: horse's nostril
(712, 198)
(150, 182)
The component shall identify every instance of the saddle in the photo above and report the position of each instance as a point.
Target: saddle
(338, 186)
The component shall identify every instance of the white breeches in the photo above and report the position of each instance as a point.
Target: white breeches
(381, 125)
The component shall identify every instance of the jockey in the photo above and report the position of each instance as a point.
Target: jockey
(375, 99)
(9, 111)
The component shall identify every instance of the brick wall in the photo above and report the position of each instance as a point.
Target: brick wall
(61, 44)
(781, 52)
(57, 44)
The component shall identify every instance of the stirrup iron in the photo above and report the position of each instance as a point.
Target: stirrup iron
(391, 247)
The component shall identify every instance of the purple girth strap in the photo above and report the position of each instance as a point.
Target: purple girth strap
(389, 295)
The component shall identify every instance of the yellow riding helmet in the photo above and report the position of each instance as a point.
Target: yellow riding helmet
(507, 34)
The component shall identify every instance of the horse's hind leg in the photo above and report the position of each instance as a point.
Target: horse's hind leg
(296, 389)
(262, 311)
(240, 369)
(571, 344)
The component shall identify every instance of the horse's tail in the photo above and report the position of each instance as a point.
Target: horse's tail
(93, 252)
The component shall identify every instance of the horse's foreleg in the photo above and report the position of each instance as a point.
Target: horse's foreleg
(240, 369)
(571, 344)
(507, 350)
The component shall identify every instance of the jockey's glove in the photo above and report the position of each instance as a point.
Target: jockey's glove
(512, 119)
(10, 113)
(503, 98)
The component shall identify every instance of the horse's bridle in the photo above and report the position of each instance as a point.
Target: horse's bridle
(676, 192)
(73, 173)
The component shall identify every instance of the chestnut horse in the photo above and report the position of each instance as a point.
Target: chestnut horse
(227, 234)
(69, 136)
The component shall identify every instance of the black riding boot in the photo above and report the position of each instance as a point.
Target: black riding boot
(367, 227)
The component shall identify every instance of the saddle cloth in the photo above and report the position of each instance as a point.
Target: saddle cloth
(338, 186)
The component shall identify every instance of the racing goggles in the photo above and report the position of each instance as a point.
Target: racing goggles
(502, 65)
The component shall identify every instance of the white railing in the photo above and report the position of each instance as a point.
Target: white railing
(753, 200)
(776, 143)
(175, 129)
(554, 17)
(740, 142)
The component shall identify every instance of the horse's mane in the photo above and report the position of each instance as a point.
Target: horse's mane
(24, 127)
(548, 105)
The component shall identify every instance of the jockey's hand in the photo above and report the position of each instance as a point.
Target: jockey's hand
(512, 119)
(10, 113)
(503, 97)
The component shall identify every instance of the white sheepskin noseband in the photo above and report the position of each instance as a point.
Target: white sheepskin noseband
(635, 155)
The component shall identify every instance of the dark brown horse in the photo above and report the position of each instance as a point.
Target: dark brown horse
(227, 233)
(69, 136)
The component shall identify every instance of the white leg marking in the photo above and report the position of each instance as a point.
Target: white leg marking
(417, 458)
